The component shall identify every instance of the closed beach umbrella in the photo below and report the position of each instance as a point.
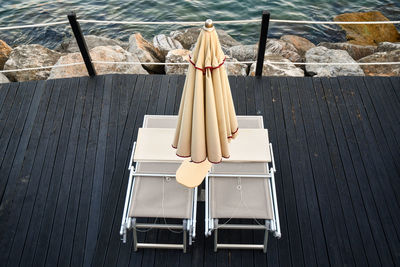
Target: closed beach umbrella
(207, 118)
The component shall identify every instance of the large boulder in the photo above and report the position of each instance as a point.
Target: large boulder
(189, 37)
(388, 46)
(3, 78)
(5, 51)
(301, 44)
(282, 48)
(177, 56)
(30, 56)
(146, 52)
(355, 51)
(382, 70)
(165, 43)
(321, 54)
(368, 34)
(243, 52)
(235, 69)
(271, 69)
(99, 53)
(92, 41)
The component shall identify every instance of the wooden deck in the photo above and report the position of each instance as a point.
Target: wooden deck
(65, 144)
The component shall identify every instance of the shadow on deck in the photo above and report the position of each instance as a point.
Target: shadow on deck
(65, 144)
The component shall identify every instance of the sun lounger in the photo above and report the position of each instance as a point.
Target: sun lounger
(244, 189)
(153, 192)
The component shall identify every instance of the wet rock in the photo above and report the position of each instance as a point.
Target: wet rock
(5, 51)
(243, 52)
(321, 54)
(189, 37)
(165, 43)
(177, 56)
(301, 44)
(368, 34)
(282, 48)
(146, 52)
(237, 69)
(271, 69)
(99, 53)
(387, 46)
(355, 51)
(382, 70)
(3, 78)
(92, 41)
(29, 56)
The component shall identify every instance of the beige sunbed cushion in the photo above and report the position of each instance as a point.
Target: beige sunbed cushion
(252, 145)
(160, 197)
(170, 121)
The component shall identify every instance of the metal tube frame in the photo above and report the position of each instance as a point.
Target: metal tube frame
(211, 224)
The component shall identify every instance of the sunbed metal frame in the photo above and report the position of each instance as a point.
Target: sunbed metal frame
(273, 225)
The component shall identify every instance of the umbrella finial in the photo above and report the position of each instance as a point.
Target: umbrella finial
(208, 23)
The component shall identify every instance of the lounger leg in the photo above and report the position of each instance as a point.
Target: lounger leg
(184, 236)
(265, 238)
(216, 235)
(134, 235)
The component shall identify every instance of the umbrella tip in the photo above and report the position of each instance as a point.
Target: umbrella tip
(208, 23)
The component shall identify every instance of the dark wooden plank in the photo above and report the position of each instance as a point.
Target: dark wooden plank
(98, 177)
(273, 121)
(19, 180)
(240, 96)
(171, 96)
(179, 89)
(6, 108)
(311, 185)
(197, 249)
(354, 214)
(111, 147)
(72, 175)
(162, 99)
(56, 230)
(296, 158)
(349, 147)
(396, 86)
(53, 164)
(88, 174)
(117, 183)
(3, 93)
(328, 197)
(366, 144)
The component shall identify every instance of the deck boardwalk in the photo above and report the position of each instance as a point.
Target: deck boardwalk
(65, 146)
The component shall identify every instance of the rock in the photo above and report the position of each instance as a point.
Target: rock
(243, 52)
(146, 52)
(321, 54)
(282, 48)
(189, 36)
(301, 44)
(29, 56)
(165, 43)
(5, 51)
(382, 70)
(92, 41)
(99, 53)
(387, 46)
(355, 51)
(3, 78)
(235, 69)
(270, 69)
(368, 34)
(177, 56)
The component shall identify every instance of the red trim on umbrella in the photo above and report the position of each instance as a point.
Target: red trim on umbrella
(205, 68)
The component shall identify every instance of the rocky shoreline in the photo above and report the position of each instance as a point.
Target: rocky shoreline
(365, 43)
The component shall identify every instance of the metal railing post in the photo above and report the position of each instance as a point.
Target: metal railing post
(76, 29)
(262, 43)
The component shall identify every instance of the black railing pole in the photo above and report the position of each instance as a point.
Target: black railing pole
(76, 29)
(262, 43)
